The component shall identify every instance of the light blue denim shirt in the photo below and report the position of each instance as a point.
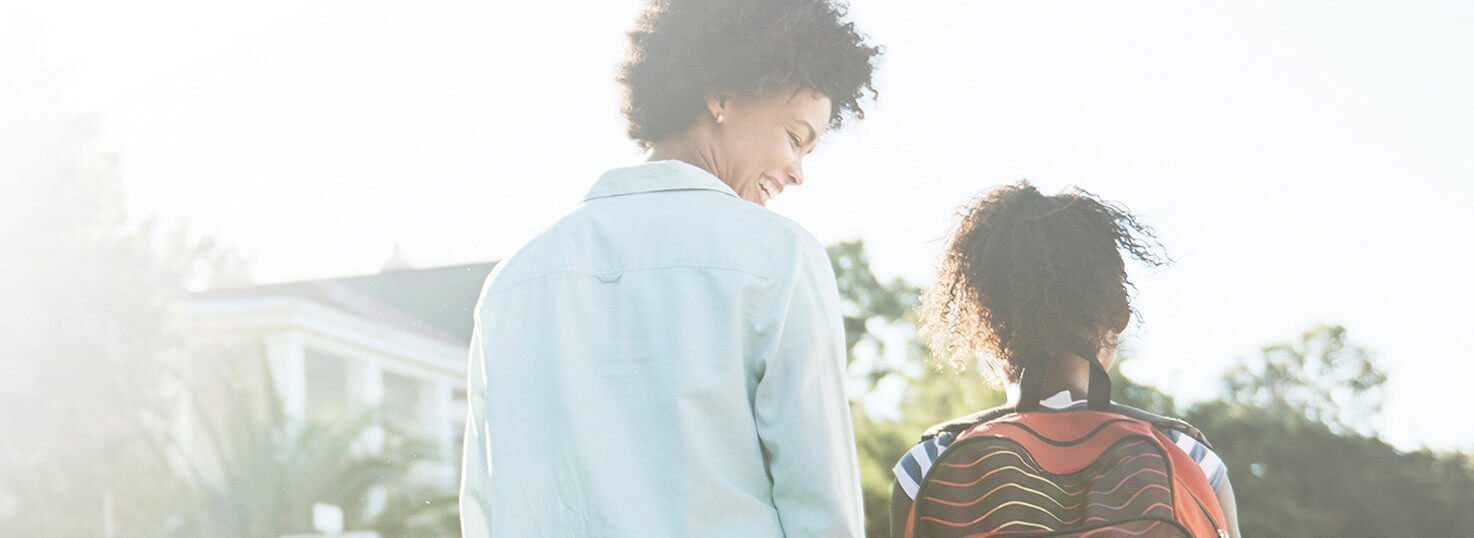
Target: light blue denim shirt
(666, 361)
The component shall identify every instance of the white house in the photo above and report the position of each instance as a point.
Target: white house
(397, 338)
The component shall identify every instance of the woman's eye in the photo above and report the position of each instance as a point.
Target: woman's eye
(793, 139)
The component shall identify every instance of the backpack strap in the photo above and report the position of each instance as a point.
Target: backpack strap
(1162, 422)
(1098, 391)
(962, 423)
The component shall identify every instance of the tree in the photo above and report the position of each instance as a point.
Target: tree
(1293, 429)
(261, 471)
(86, 319)
(914, 386)
(871, 308)
(1320, 376)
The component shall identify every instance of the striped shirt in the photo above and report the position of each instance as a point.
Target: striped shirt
(914, 465)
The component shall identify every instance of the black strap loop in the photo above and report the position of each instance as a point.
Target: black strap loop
(1031, 384)
(1098, 393)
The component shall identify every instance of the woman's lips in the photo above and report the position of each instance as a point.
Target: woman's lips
(768, 189)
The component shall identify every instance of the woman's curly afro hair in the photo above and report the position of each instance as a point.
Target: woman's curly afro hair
(1025, 274)
(682, 51)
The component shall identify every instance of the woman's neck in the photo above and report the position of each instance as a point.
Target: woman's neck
(1067, 372)
(685, 148)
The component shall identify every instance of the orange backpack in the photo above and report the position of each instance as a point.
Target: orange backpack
(1105, 470)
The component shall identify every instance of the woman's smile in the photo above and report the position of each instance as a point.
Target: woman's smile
(770, 189)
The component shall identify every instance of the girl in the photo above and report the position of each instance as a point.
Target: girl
(1036, 285)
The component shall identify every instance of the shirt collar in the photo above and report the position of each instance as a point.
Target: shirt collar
(654, 177)
(1060, 400)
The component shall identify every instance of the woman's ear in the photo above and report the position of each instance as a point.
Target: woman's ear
(716, 107)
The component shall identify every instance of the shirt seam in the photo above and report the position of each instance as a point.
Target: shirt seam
(510, 287)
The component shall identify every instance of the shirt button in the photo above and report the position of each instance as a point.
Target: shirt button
(609, 277)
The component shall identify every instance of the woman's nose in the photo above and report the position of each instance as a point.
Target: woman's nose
(795, 173)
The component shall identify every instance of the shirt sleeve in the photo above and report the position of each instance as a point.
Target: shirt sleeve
(800, 406)
(1209, 461)
(914, 464)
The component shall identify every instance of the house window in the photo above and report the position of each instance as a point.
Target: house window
(402, 406)
(326, 384)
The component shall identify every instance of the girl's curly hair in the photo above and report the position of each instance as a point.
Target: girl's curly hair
(682, 51)
(1025, 272)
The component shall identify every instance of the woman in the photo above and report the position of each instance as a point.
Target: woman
(668, 360)
(1036, 285)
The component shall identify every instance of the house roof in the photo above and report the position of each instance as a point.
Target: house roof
(436, 302)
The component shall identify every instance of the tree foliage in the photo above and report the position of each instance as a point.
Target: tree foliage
(86, 318)
(880, 317)
(90, 341)
(1320, 376)
(259, 471)
(1293, 426)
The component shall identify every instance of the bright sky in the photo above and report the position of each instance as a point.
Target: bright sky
(1303, 161)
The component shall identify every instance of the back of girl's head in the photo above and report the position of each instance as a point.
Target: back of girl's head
(1025, 273)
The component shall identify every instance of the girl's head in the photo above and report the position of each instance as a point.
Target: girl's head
(1026, 275)
(754, 84)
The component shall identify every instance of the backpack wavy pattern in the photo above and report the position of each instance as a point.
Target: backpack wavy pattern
(992, 486)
